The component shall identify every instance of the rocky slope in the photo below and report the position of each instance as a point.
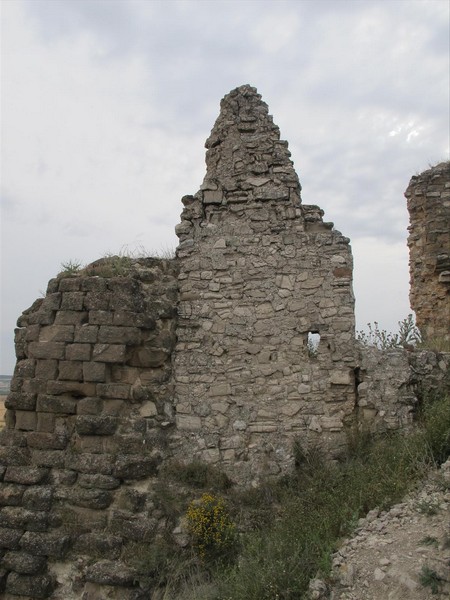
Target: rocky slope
(400, 554)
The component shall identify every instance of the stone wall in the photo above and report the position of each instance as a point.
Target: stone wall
(428, 196)
(259, 273)
(87, 425)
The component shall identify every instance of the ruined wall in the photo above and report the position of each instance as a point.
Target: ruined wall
(428, 197)
(391, 383)
(259, 271)
(87, 422)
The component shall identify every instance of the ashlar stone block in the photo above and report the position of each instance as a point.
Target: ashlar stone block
(109, 353)
(26, 420)
(94, 371)
(33, 586)
(71, 370)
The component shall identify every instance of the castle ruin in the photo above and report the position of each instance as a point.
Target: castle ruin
(229, 354)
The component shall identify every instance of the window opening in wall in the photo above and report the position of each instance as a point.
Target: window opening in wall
(313, 343)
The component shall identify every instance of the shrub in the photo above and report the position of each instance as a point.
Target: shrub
(70, 268)
(212, 529)
(408, 334)
(429, 578)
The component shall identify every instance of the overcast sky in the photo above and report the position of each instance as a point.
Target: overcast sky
(106, 105)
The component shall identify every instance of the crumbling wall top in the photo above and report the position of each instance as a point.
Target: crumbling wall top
(245, 156)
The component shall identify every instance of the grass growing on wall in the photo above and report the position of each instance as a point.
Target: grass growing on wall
(304, 515)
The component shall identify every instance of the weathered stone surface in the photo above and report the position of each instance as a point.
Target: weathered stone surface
(131, 527)
(115, 573)
(86, 334)
(132, 466)
(109, 353)
(46, 422)
(104, 482)
(38, 497)
(46, 350)
(26, 420)
(45, 544)
(56, 404)
(100, 545)
(11, 494)
(90, 498)
(56, 333)
(21, 518)
(48, 441)
(90, 463)
(20, 401)
(96, 425)
(73, 388)
(32, 586)
(10, 538)
(23, 563)
(26, 475)
(113, 390)
(119, 335)
(94, 371)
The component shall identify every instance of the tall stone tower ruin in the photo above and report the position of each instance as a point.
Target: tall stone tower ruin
(261, 276)
(428, 197)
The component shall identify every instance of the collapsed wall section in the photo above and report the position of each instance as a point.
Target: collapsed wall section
(87, 421)
(428, 198)
(262, 278)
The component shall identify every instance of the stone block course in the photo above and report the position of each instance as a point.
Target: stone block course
(56, 404)
(109, 353)
(71, 317)
(96, 425)
(40, 440)
(56, 333)
(103, 546)
(70, 370)
(119, 335)
(25, 475)
(46, 350)
(21, 518)
(86, 334)
(23, 563)
(80, 352)
(26, 420)
(10, 538)
(94, 371)
(11, 494)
